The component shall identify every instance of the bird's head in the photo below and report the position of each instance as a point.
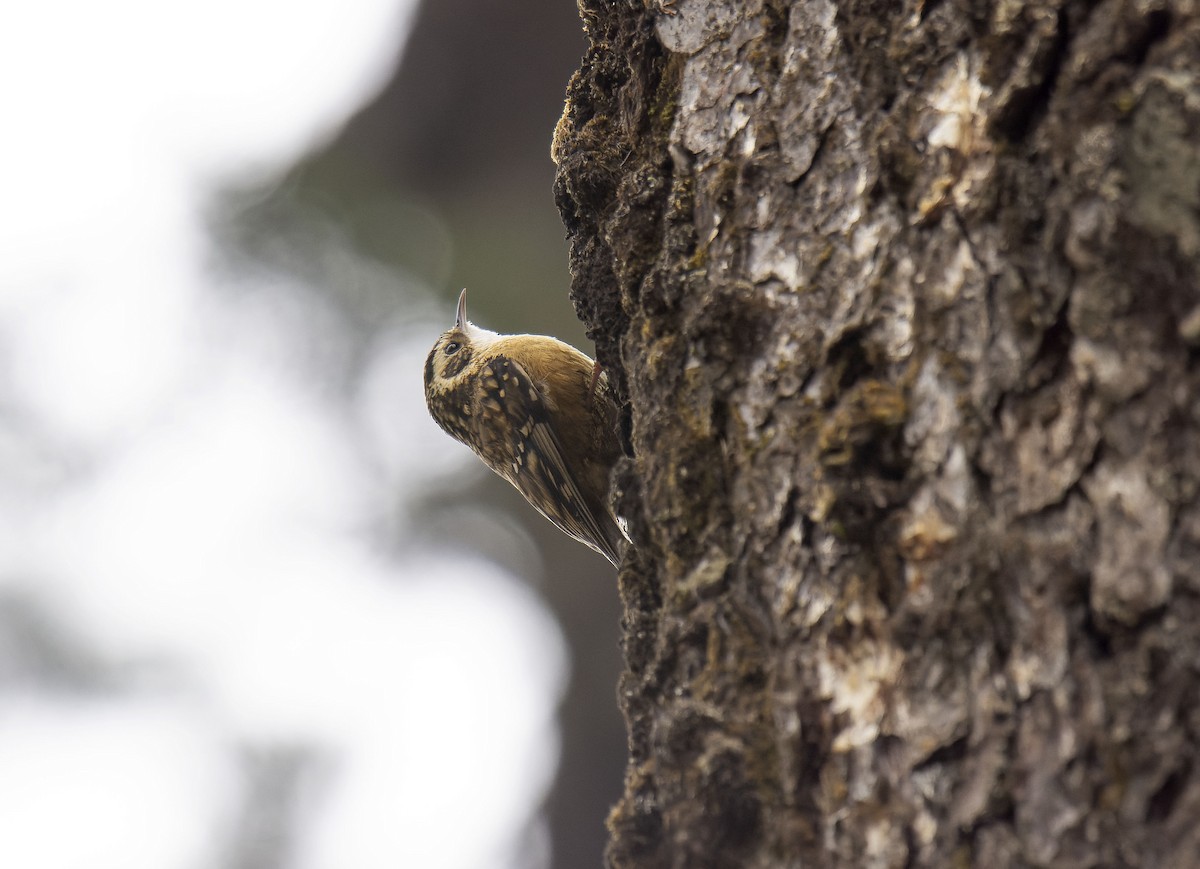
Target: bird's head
(450, 361)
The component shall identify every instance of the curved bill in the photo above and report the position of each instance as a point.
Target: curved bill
(462, 310)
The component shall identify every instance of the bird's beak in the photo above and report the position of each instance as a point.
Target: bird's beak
(461, 322)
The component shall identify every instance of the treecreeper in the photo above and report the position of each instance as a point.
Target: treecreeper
(540, 413)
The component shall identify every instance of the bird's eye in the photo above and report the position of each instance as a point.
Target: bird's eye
(452, 348)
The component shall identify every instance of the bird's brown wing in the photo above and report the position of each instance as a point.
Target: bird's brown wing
(534, 460)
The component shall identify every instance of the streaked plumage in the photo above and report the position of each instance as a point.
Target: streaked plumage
(535, 411)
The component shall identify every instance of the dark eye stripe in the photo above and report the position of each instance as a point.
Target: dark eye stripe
(456, 363)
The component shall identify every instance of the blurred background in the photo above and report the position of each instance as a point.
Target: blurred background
(256, 610)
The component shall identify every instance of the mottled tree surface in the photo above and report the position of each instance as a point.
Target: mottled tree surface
(904, 300)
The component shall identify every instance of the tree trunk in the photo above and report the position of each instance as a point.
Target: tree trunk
(904, 301)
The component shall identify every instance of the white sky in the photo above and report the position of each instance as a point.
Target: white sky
(183, 502)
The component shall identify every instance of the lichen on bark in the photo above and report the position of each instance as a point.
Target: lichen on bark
(902, 301)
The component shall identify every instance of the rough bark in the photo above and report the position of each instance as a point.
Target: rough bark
(904, 301)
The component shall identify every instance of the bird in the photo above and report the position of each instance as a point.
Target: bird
(539, 413)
